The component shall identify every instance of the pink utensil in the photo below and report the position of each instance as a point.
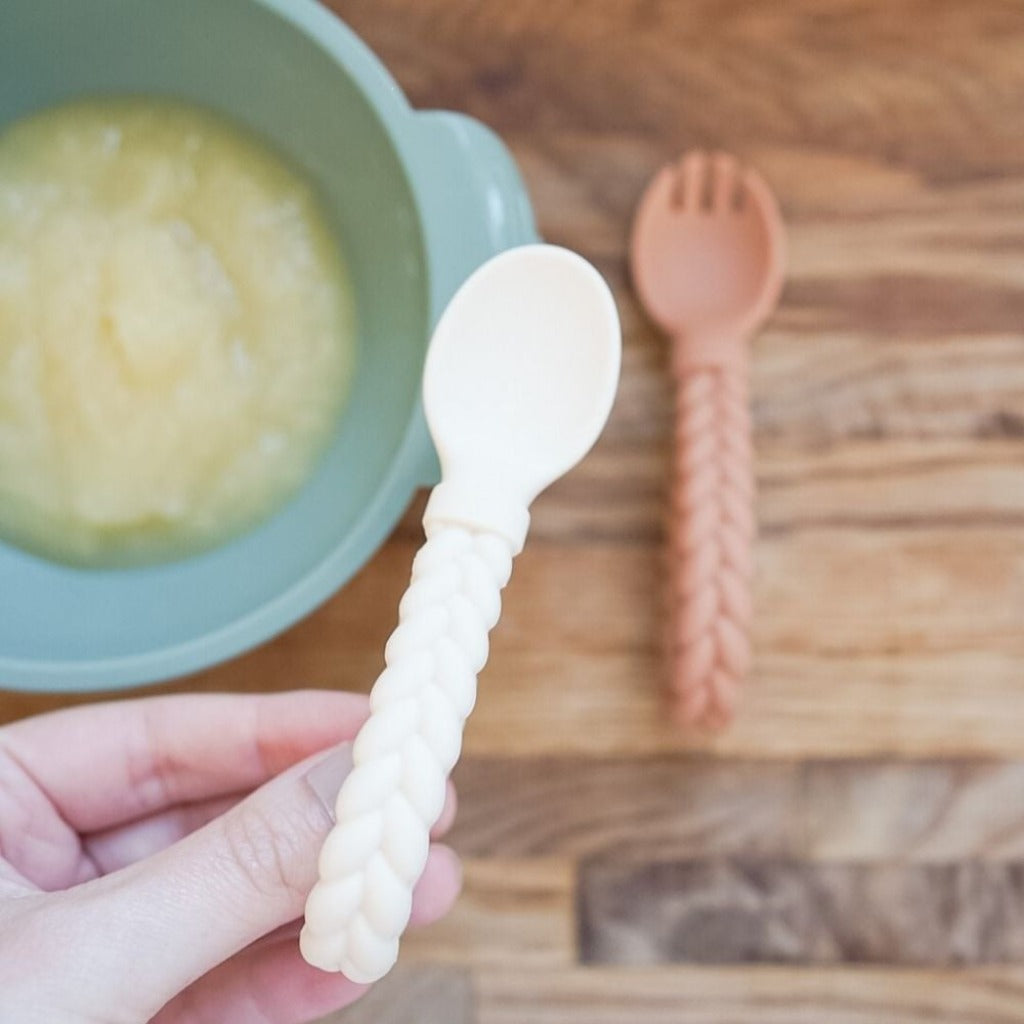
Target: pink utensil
(707, 254)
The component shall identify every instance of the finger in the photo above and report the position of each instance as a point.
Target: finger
(271, 977)
(13, 882)
(448, 813)
(222, 887)
(433, 897)
(118, 847)
(270, 983)
(438, 888)
(106, 764)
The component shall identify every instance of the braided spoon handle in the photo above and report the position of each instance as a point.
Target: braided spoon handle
(404, 753)
(711, 534)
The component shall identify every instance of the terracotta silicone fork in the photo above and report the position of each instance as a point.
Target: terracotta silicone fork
(707, 260)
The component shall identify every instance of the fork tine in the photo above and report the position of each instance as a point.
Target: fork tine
(724, 182)
(692, 173)
(757, 192)
(663, 190)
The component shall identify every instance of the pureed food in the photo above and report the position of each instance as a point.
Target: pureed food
(176, 331)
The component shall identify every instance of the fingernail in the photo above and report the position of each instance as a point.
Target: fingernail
(327, 775)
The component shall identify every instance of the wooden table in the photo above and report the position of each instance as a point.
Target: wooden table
(853, 849)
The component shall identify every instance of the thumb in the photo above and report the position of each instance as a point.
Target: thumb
(176, 915)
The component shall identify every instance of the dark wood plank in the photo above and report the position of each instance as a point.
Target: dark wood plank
(723, 911)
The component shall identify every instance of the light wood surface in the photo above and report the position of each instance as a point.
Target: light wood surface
(512, 911)
(755, 995)
(882, 735)
(667, 809)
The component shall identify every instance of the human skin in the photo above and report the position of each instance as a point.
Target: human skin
(155, 855)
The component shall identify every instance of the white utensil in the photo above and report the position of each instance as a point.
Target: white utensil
(519, 381)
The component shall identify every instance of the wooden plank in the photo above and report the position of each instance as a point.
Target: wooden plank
(413, 995)
(751, 995)
(684, 808)
(923, 812)
(511, 911)
(904, 485)
(733, 910)
(581, 807)
(661, 69)
(915, 630)
(912, 633)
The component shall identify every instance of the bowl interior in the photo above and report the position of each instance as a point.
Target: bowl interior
(243, 59)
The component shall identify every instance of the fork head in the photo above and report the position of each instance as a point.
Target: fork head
(707, 248)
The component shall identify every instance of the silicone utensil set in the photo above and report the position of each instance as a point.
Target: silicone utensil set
(518, 383)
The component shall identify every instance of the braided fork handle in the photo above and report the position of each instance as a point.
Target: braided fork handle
(711, 532)
(404, 753)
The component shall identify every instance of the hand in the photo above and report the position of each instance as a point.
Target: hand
(143, 875)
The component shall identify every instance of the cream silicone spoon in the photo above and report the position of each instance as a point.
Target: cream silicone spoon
(519, 381)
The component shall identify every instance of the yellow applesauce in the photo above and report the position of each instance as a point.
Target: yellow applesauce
(176, 331)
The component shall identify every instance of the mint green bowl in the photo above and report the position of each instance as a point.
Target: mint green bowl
(419, 200)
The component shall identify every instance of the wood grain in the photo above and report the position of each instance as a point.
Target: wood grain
(884, 726)
(680, 808)
(925, 812)
(511, 911)
(912, 631)
(725, 911)
(664, 807)
(765, 995)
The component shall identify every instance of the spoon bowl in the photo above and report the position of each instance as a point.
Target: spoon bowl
(519, 381)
